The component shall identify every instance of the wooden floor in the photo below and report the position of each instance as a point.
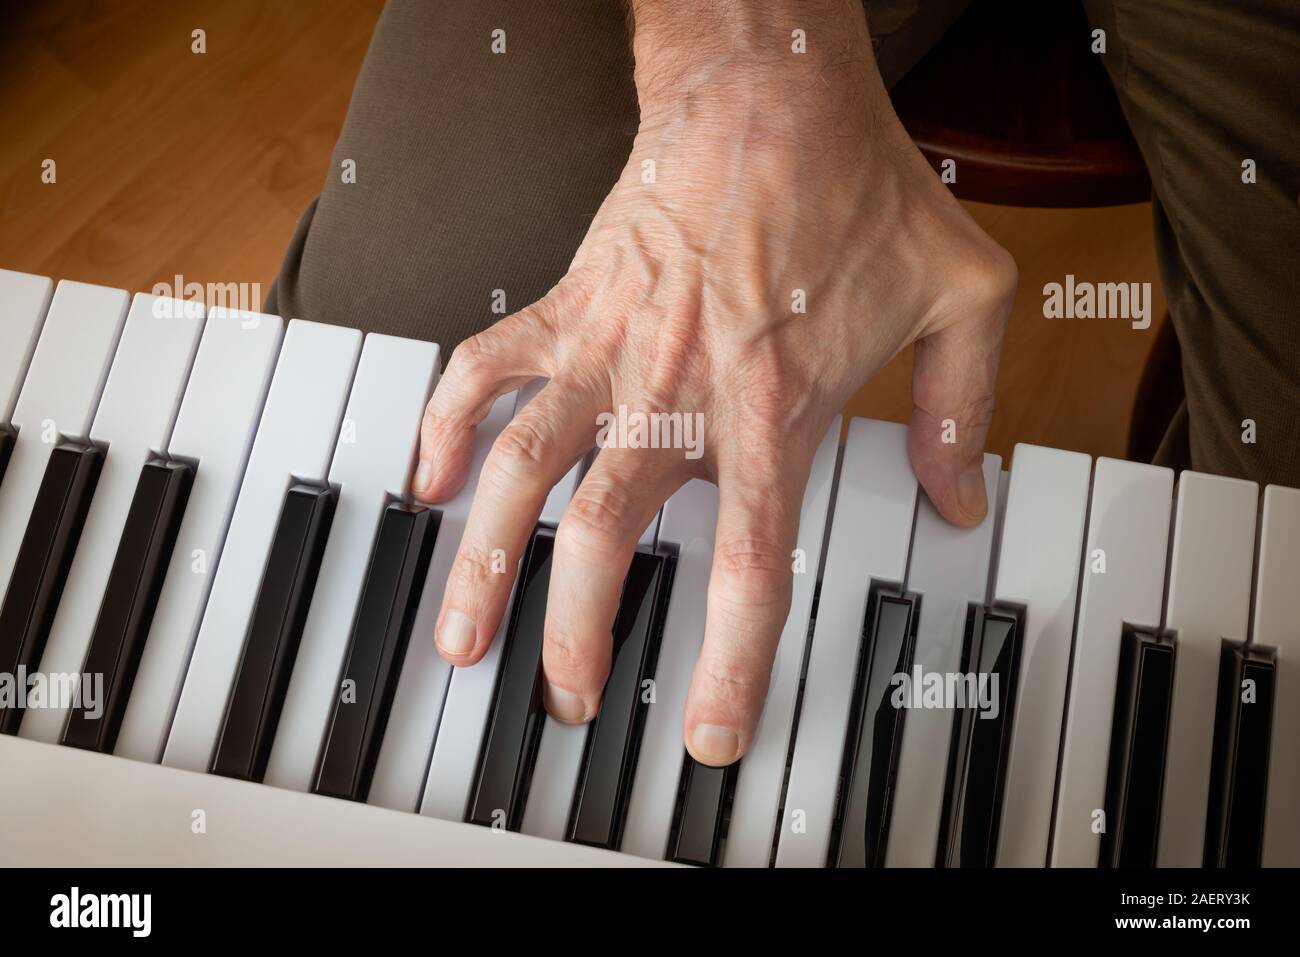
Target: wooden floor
(173, 163)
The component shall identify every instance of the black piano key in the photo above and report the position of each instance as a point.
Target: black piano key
(274, 633)
(518, 715)
(872, 751)
(44, 557)
(981, 742)
(130, 597)
(1139, 735)
(7, 438)
(1239, 767)
(609, 759)
(386, 611)
(696, 837)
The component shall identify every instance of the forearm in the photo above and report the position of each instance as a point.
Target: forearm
(758, 72)
(787, 45)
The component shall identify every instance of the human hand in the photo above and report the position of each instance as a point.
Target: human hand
(774, 239)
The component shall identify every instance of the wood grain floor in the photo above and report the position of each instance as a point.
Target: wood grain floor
(173, 163)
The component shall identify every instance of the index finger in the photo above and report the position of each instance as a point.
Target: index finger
(530, 456)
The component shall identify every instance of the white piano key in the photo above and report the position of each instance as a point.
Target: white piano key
(870, 536)
(59, 394)
(1128, 529)
(555, 779)
(214, 431)
(528, 391)
(295, 440)
(1208, 600)
(392, 384)
(1004, 491)
(757, 799)
(688, 522)
(1038, 569)
(949, 570)
(1277, 625)
(557, 500)
(24, 301)
(134, 422)
(469, 692)
(460, 732)
(422, 686)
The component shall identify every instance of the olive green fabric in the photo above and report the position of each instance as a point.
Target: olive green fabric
(1206, 85)
(475, 171)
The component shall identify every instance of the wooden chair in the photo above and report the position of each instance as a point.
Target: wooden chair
(1014, 94)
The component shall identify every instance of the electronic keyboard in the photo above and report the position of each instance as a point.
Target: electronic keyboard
(219, 598)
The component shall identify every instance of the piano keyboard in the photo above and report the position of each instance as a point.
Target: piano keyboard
(212, 512)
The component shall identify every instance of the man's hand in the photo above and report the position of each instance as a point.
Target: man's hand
(774, 239)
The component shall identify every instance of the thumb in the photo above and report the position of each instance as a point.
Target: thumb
(954, 371)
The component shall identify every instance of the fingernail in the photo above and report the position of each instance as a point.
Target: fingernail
(423, 475)
(456, 636)
(970, 492)
(715, 745)
(565, 705)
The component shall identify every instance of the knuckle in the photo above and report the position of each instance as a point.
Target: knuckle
(752, 572)
(595, 522)
(978, 410)
(442, 420)
(971, 411)
(987, 279)
(521, 451)
(1007, 272)
(471, 363)
(729, 679)
(472, 569)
